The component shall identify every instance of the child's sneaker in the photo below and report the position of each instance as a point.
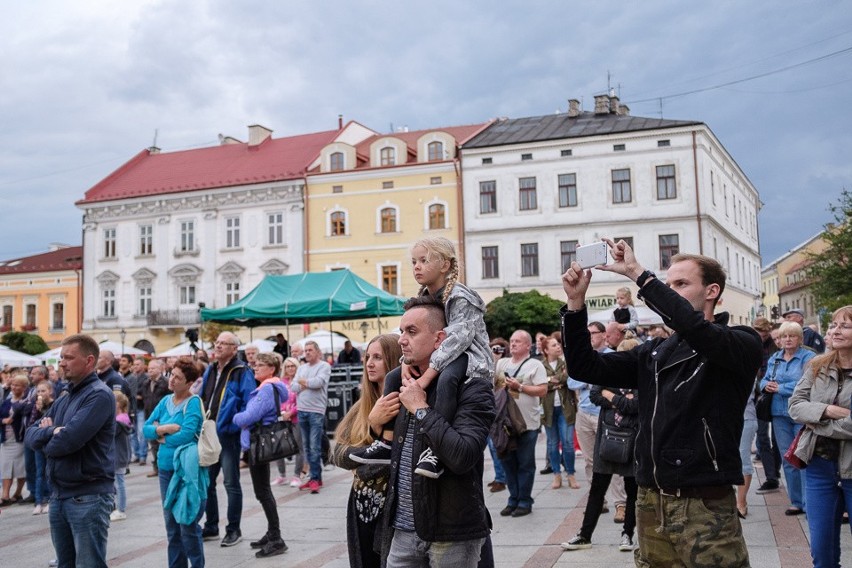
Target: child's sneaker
(117, 515)
(428, 465)
(295, 482)
(378, 453)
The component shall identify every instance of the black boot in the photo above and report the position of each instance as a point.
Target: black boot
(272, 548)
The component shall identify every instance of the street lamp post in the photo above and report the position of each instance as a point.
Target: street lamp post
(364, 327)
(122, 334)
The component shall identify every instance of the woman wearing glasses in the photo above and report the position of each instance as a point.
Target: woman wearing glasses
(822, 402)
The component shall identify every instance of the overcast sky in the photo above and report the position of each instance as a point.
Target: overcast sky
(84, 85)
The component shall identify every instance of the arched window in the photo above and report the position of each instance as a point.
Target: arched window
(388, 215)
(437, 216)
(435, 151)
(338, 224)
(336, 162)
(388, 156)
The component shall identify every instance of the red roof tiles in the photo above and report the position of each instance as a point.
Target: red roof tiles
(148, 174)
(68, 258)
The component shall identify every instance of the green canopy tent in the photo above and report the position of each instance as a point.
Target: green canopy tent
(306, 298)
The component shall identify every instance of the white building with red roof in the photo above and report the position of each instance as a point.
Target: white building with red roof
(166, 232)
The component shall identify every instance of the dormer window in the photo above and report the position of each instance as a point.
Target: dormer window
(435, 151)
(336, 162)
(387, 156)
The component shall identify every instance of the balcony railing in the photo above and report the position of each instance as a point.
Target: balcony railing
(173, 317)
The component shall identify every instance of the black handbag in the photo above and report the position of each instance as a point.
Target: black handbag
(763, 405)
(274, 441)
(616, 444)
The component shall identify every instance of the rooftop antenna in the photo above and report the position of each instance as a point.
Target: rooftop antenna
(156, 131)
(661, 107)
(608, 86)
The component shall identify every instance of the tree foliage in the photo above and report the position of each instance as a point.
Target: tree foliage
(211, 330)
(831, 271)
(24, 342)
(531, 311)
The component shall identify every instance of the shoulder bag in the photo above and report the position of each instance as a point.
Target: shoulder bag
(790, 454)
(274, 441)
(763, 405)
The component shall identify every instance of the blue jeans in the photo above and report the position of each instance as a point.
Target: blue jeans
(185, 543)
(30, 467)
(785, 430)
(520, 470)
(229, 465)
(408, 551)
(558, 432)
(42, 486)
(749, 430)
(120, 492)
(827, 497)
(139, 445)
(499, 472)
(78, 528)
(312, 425)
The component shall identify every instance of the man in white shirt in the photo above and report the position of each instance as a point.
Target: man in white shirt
(311, 382)
(526, 381)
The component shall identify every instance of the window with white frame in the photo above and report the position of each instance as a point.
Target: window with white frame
(437, 216)
(186, 294)
(388, 219)
(8, 313)
(490, 262)
(275, 228)
(108, 301)
(390, 278)
(109, 242)
(337, 223)
(232, 292)
(187, 236)
(387, 156)
(144, 297)
(146, 239)
(529, 259)
(669, 246)
(567, 190)
(232, 232)
(30, 316)
(435, 151)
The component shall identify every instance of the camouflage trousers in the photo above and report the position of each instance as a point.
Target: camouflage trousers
(688, 532)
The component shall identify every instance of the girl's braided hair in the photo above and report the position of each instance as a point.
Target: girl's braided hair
(443, 249)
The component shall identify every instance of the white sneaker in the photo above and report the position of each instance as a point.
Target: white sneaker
(45, 509)
(279, 480)
(117, 516)
(626, 544)
(37, 510)
(295, 482)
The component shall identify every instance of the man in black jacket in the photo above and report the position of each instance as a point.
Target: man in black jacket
(694, 387)
(443, 521)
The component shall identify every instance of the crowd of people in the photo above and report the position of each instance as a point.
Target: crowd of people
(664, 417)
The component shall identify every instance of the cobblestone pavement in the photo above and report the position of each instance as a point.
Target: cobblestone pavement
(314, 527)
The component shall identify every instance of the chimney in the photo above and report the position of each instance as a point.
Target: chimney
(573, 107)
(258, 134)
(613, 104)
(623, 110)
(340, 122)
(601, 104)
(153, 150)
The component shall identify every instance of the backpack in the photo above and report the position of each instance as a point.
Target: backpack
(209, 446)
(508, 424)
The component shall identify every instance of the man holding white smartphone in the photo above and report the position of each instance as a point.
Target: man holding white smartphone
(691, 419)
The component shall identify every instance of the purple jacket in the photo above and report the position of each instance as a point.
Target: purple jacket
(260, 408)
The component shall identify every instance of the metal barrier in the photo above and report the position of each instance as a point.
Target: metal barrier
(343, 392)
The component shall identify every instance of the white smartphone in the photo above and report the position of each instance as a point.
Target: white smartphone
(592, 255)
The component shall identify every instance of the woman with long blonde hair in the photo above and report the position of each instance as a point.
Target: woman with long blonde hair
(359, 428)
(822, 402)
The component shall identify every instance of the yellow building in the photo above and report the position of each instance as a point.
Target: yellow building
(366, 204)
(785, 283)
(40, 294)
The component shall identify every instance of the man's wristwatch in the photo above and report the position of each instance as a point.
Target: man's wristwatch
(421, 413)
(644, 278)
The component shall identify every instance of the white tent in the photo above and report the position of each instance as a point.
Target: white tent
(16, 358)
(182, 349)
(117, 349)
(328, 341)
(647, 316)
(263, 345)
